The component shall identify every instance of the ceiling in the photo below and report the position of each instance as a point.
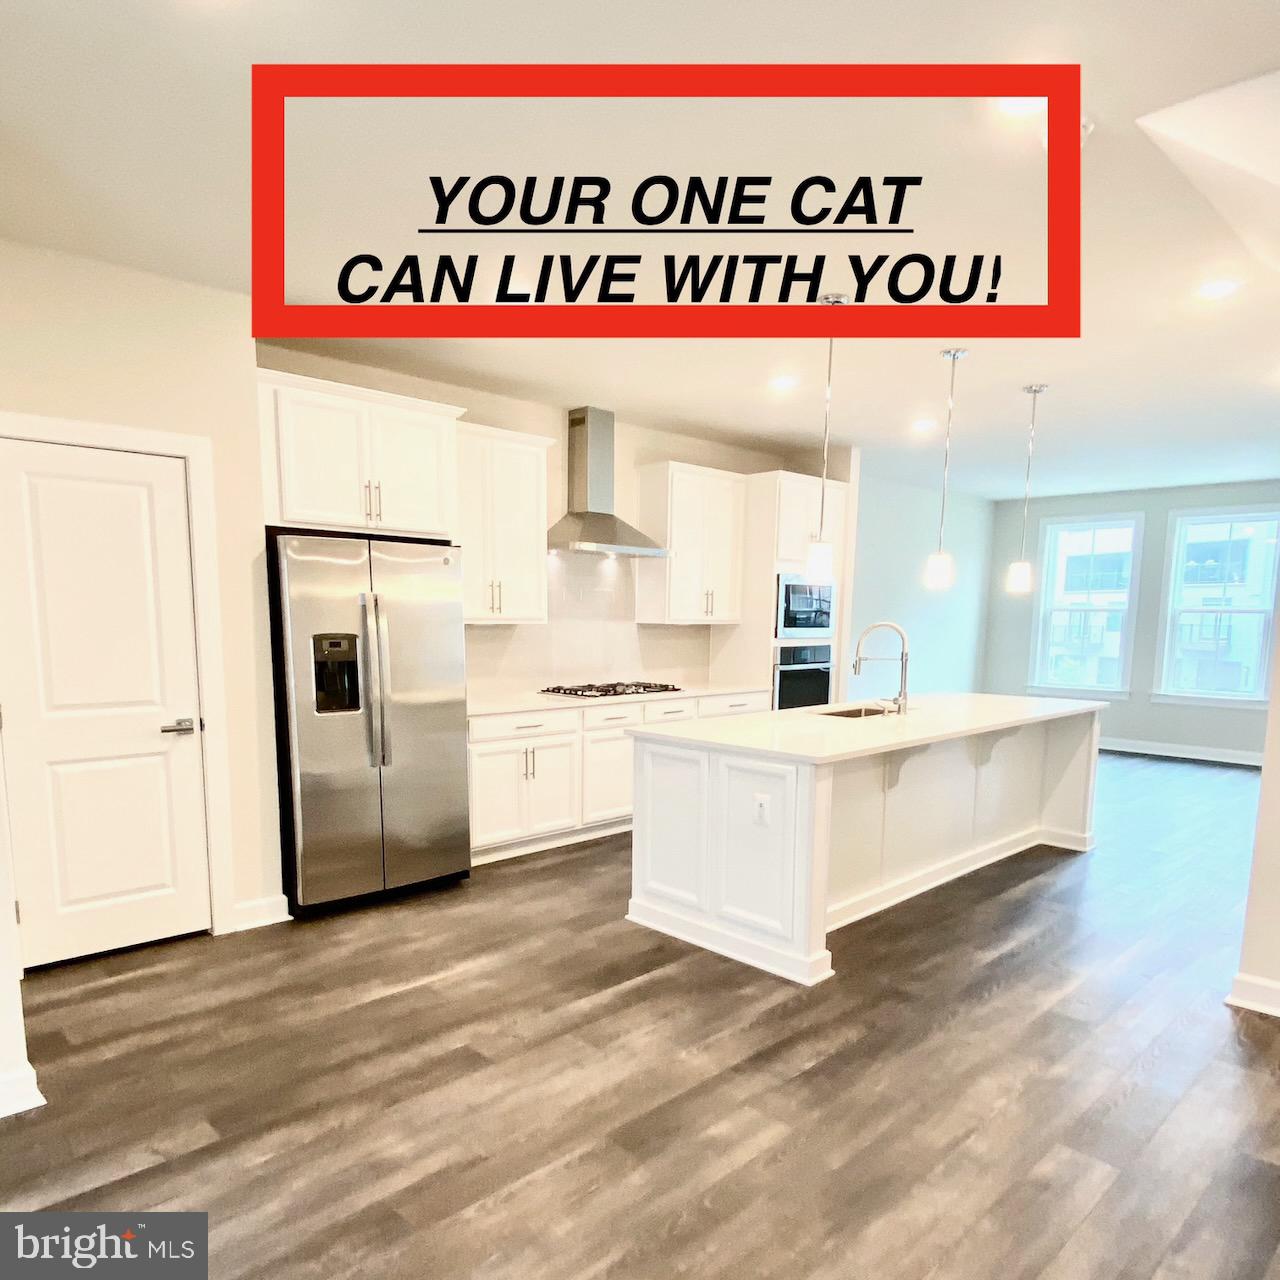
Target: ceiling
(124, 136)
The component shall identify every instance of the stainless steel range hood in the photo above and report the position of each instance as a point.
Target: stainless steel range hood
(591, 524)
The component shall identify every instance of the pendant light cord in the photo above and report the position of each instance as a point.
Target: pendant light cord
(826, 442)
(1031, 448)
(953, 356)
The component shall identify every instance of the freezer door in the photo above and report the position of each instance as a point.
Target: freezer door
(332, 699)
(422, 732)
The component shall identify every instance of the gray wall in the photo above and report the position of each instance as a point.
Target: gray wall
(897, 529)
(1216, 732)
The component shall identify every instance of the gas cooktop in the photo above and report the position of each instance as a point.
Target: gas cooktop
(611, 690)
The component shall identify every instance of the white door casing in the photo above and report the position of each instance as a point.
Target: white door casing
(107, 813)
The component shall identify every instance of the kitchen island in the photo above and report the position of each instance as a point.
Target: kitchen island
(756, 835)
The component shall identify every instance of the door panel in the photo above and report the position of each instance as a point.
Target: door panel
(687, 584)
(337, 815)
(497, 792)
(518, 524)
(323, 459)
(412, 465)
(423, 678)
(554, 778)
(725, 501)
(106, 812)
(606, 775)
(473, 527)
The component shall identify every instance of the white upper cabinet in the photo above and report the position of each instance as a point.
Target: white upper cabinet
(798, 510)
(343, 457)
(321, 442)
(413, 467)
(502, 524)
(697, 514)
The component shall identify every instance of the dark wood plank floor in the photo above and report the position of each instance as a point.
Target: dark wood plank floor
(1027, 1073)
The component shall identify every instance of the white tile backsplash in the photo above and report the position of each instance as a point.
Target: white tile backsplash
(591, 636)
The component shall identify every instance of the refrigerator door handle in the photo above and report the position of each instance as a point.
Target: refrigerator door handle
(384, 677)
(373, 666)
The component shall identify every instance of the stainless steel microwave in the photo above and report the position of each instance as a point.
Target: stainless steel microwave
(806, 611)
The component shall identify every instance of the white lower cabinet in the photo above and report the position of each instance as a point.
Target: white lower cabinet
(497, 792)
(606, 775)
(536, 773)
(554, 802)
(524, 787)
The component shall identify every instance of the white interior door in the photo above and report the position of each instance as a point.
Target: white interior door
(106, 812)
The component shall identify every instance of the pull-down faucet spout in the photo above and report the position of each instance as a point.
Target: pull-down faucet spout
(900, 702)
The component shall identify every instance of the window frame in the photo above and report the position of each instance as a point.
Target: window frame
(1160, 692)
(1035, 684)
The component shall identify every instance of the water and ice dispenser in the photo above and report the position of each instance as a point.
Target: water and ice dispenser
(337, 672)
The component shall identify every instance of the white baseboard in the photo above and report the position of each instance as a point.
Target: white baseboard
(576, 835)
(18, 1091)
(1180, 751)
(254, 913)
(869, 903)
(808, 971)
(1258, 995)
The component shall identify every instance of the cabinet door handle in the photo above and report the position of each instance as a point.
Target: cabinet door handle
(368, 501)
(492, 608)
(713, 602)
(525, 774)
(377, 490)
(534, 752)
(529, 726)
(679, 711)
(499, 595)
(615, 717)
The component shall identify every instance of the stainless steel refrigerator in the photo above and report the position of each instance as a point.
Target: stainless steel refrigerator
(371, 712)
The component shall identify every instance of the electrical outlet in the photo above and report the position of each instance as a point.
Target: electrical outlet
(762, 809)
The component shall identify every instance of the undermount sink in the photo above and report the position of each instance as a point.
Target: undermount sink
(856, 713)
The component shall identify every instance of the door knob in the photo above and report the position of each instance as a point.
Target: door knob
(185, 725)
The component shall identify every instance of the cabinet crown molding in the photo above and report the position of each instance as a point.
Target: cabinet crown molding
(300, 382)
(505, 433)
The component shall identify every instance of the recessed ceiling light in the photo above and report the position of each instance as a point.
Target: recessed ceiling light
(1022, 107)
(924, 427)
(1216, 290)
(783, 383)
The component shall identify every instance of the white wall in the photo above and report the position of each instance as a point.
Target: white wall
(591, 634)
(1224, 732)
(1257, 985)
(85, 340)
(897, 530)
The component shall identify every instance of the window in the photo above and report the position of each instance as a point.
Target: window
(1085, 631)
(1220, 600)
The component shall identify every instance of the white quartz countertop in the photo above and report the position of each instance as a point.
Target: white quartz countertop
(500, 702)
(806, 736)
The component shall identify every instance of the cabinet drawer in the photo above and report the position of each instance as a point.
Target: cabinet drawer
(671, 709)
(734, 704)
(611, 717)
(520, 724)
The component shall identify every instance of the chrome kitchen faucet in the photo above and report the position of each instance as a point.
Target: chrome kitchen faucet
(900, 702)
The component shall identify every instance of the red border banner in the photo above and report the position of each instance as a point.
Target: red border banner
(1058, 317)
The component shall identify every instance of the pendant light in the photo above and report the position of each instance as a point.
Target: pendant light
(1018, 578)
(940, 568)
(820, 563)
